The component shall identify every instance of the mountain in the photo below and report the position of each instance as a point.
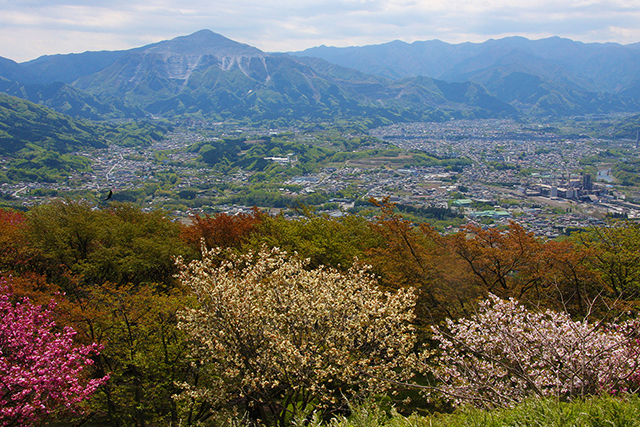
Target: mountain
(206, 75)
(395, 59)
(66, 99)
(583, 76)
(12, 71)
(533, 95)
(594, 66)
(68, 68)
(45, 81)
(40, 144)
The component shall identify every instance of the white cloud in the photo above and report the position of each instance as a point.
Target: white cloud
(29, 28)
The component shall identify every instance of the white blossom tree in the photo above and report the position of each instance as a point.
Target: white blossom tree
(281, 339)
(505, 353)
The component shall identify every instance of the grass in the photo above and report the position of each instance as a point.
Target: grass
(595, 412)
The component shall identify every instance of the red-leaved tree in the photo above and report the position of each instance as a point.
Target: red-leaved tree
(41, 370)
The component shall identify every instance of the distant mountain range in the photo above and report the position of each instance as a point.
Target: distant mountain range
(205, 75)
(541, 77)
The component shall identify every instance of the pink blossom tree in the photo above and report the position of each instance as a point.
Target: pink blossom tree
(505, 353)
(41, 370)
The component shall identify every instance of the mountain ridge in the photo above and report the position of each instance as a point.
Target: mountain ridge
(584, 61)
(209, 76)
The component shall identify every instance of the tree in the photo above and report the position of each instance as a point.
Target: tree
(116, 267)
(503, 262)
(513, 263)
(569, 282)
(143, 352)
(12, 246)
(418, 257)
(120, 244)
(615, 254)
(333, 242)
(505, 353)
(41, 370)
(221, 230)
(282, 338)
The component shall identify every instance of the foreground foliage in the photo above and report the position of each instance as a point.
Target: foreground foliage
(111, 270)
(144, 353)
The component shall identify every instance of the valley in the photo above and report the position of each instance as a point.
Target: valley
(506, 130)
(492, 171)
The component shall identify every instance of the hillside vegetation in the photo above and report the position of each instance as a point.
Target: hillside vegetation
(42, 144)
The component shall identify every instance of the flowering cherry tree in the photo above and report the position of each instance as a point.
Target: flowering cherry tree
(41, 370)
(281, 338)
(505, 353)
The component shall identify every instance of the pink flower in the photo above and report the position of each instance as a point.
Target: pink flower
(41, 371)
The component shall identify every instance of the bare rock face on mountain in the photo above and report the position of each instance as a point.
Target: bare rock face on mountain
(165, 67)
(205, 48)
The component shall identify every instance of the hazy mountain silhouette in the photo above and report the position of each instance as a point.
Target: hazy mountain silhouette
(606, 67)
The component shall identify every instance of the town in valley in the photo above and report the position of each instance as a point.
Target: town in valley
(550, 181)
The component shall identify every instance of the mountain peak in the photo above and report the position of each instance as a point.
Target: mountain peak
(203, 42)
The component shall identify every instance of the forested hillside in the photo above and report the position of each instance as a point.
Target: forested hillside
(276, 319)
(24, 123)
(41, 144)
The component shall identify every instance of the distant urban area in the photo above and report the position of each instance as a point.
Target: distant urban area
(498, 171)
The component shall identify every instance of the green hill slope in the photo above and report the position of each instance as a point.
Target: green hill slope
(38, 144)
(24, 124)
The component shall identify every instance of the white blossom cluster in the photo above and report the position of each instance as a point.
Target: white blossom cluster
(279, 335)
(505, 353)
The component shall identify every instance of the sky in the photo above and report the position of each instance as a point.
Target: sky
(32, 28)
